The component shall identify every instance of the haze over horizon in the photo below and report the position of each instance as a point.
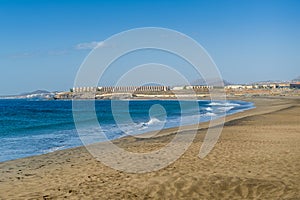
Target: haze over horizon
(43, 43)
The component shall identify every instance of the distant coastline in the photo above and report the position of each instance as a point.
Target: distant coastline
(165, 92)
(183, 92)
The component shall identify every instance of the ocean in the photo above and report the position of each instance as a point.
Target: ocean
(34, 127)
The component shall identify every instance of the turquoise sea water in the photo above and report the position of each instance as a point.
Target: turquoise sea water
(30, 127)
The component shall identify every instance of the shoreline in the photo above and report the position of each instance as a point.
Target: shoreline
(32, 171)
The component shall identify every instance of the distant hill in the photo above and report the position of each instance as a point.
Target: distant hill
(277, 81)
(202, 82)
(296, 79)
(38, 94)
(35, 92)
(269, 81)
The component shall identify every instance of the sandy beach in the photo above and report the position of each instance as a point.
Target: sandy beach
(256, 157)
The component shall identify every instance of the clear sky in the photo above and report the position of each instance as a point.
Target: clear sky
(43, 43)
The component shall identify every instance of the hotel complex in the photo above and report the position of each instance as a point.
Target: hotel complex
(157, 91)
(111, 89)
(201, 88)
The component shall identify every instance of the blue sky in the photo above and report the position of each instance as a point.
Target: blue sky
(43, 43)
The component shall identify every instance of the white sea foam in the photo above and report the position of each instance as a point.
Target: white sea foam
(53, 149)
(209, 109)
(210, 114)
(223, 104)
(225, 109)
(154, 121)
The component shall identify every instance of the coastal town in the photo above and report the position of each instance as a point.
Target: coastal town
(165, 92)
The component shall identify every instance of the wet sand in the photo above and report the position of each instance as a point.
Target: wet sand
(256, 157)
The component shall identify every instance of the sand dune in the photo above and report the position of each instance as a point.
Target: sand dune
(256, 157)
